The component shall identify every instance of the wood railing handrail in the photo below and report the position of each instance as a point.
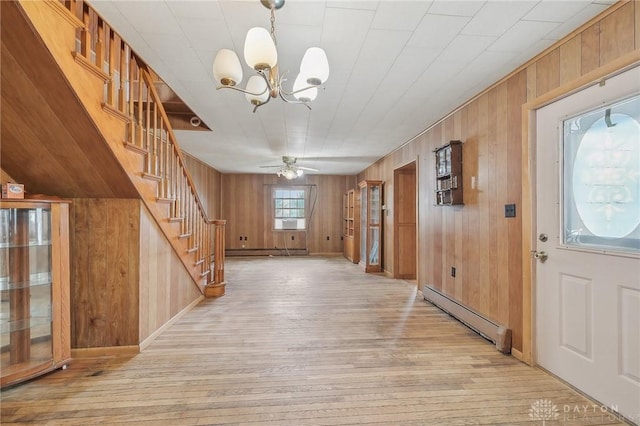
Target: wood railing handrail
(131, 95)
(154, 94)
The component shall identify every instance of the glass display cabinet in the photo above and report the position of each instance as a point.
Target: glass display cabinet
(34, 288)
(351, 231)
(371, 225)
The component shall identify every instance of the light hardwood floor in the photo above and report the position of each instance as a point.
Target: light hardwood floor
(303, 341)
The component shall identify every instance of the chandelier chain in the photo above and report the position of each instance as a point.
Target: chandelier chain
(273, 24)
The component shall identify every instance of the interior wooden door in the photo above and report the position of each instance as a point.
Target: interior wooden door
(405, 202)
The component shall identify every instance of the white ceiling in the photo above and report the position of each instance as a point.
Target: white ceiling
(396, 68)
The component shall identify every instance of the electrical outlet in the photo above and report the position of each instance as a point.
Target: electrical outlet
(327, 238)
(241, 238)
(245, 238)
(509, 210)
(293, 238)
(453, 271)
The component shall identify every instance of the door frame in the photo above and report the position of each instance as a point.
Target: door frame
(529, 205)
(409, 165)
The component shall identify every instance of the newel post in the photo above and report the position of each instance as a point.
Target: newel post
(216, 287)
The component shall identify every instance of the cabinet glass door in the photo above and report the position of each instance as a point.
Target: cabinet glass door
(374, 225)
(25, 288)
(363, 223)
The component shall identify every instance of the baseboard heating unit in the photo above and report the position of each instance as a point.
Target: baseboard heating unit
(266, 252)
(499, 335)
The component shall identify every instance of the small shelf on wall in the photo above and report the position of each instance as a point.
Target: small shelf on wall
(448, 187)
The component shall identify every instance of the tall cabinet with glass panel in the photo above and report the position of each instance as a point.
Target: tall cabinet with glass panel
(371, 225)
(34, 288)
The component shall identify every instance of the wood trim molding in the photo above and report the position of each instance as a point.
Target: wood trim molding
(516, 354)
(105, 351)
(89, 66)
(115, 113)
(135, 148)
(146, 342)
(65, 13)
(609, 70)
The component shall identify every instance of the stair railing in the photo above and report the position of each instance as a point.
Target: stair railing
(130, 93)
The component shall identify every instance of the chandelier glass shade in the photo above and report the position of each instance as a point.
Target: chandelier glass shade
(289, 172)
(261, 54)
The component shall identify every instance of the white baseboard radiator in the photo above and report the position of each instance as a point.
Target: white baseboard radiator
(488, 329)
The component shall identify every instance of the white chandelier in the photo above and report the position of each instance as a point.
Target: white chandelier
(261, 54)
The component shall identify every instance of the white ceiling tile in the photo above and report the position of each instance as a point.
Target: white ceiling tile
(486, 65)
(203, 35)
(437, 31)
(560, 12)
(575, 21)
(438, 74)
(343, 34)
(353, 4)
(209, 10)
(307, 12)
(496, 17)
(522, 34)
(408, 67)
(378, 54)
(404, 15)
(152, 17)
(456, 8)
(465, 48)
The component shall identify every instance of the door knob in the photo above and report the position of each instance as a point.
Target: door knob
(540, 255)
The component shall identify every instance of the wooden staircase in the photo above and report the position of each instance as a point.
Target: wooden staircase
(118, 92)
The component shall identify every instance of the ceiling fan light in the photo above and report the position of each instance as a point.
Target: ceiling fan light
(306, 95)
(289, 173)
(256, 84)
(259, 49)
(226, 68)
(299, 172)
(315, 66)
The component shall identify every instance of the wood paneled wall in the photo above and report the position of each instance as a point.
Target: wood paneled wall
(126, 280)
(476, 238)
(166, 287)
(105, 242)
(247, 207)
(207, 182)
(4, 177)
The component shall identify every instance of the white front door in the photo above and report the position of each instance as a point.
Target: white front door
(587, 290)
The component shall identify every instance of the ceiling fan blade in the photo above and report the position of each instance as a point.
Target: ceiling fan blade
(266, 167)
(311, 169)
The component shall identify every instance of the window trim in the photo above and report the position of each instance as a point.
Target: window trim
(303, 218)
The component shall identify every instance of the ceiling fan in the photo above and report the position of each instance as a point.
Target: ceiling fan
(289, 169)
